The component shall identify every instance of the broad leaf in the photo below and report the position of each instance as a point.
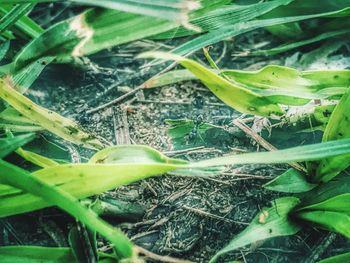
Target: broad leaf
(291, 181)
(333, 221)
(270, 222)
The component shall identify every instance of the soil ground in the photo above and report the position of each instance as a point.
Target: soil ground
(188, 218)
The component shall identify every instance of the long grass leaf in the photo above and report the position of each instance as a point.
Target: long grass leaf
(223, 16)
(333, 221)
(121, 165)
(55, 196)
(233, 95)
(337, 128)
(24, 26)
(296, 44)
(282, 85)
(337, 259)
(34, 254)
(171, 9)
(53, 122)
(240, 28)
(15, 14)
(94, 30)
(8, 145)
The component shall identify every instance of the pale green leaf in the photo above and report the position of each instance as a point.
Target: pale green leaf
(270, 222)
(53, 122)
(16, 177)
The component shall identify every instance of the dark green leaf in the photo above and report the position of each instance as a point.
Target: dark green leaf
(270, 222)
(8, 145)
(291, 181)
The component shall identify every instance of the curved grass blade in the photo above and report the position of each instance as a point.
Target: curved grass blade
(170, 77)
(121, 165)
(53, 122)
(337, 128)
(16, 177)
(338, 203)
(8, 145)
(33, 157)
(107, 169)
(94, 30)
(279, 84)
(35, 254)
(223, 16)
(333, 221)
(270, 222)
(233, 95)
(289, 86)
(170, 9)
(337, 259)
(336, 187)
(36, 159)
(244, 27)
(293, 45)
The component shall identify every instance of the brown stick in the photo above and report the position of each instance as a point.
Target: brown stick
(157, 257)
(265, 144)
(115, 101)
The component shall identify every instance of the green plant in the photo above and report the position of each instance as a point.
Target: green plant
(322, 199)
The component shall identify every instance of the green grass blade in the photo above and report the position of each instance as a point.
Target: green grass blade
(4, 47)
(316, 151)
(24, 26)
(26, 77)
(332, 221)
(240, 28)
(53, 122)
(224, 16)
(291, 181)
(271, 222)
(170, 77)
(233, 95)
(337, 259)
(339, 203)
(170, 9)
(93, 30)
(36, 159)
(337, 128)
(8, 145)
(107, 169)
(121, 165)
(16, 177)
(34, 254)
(13, 15)
(293, 45)
(282, 85)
